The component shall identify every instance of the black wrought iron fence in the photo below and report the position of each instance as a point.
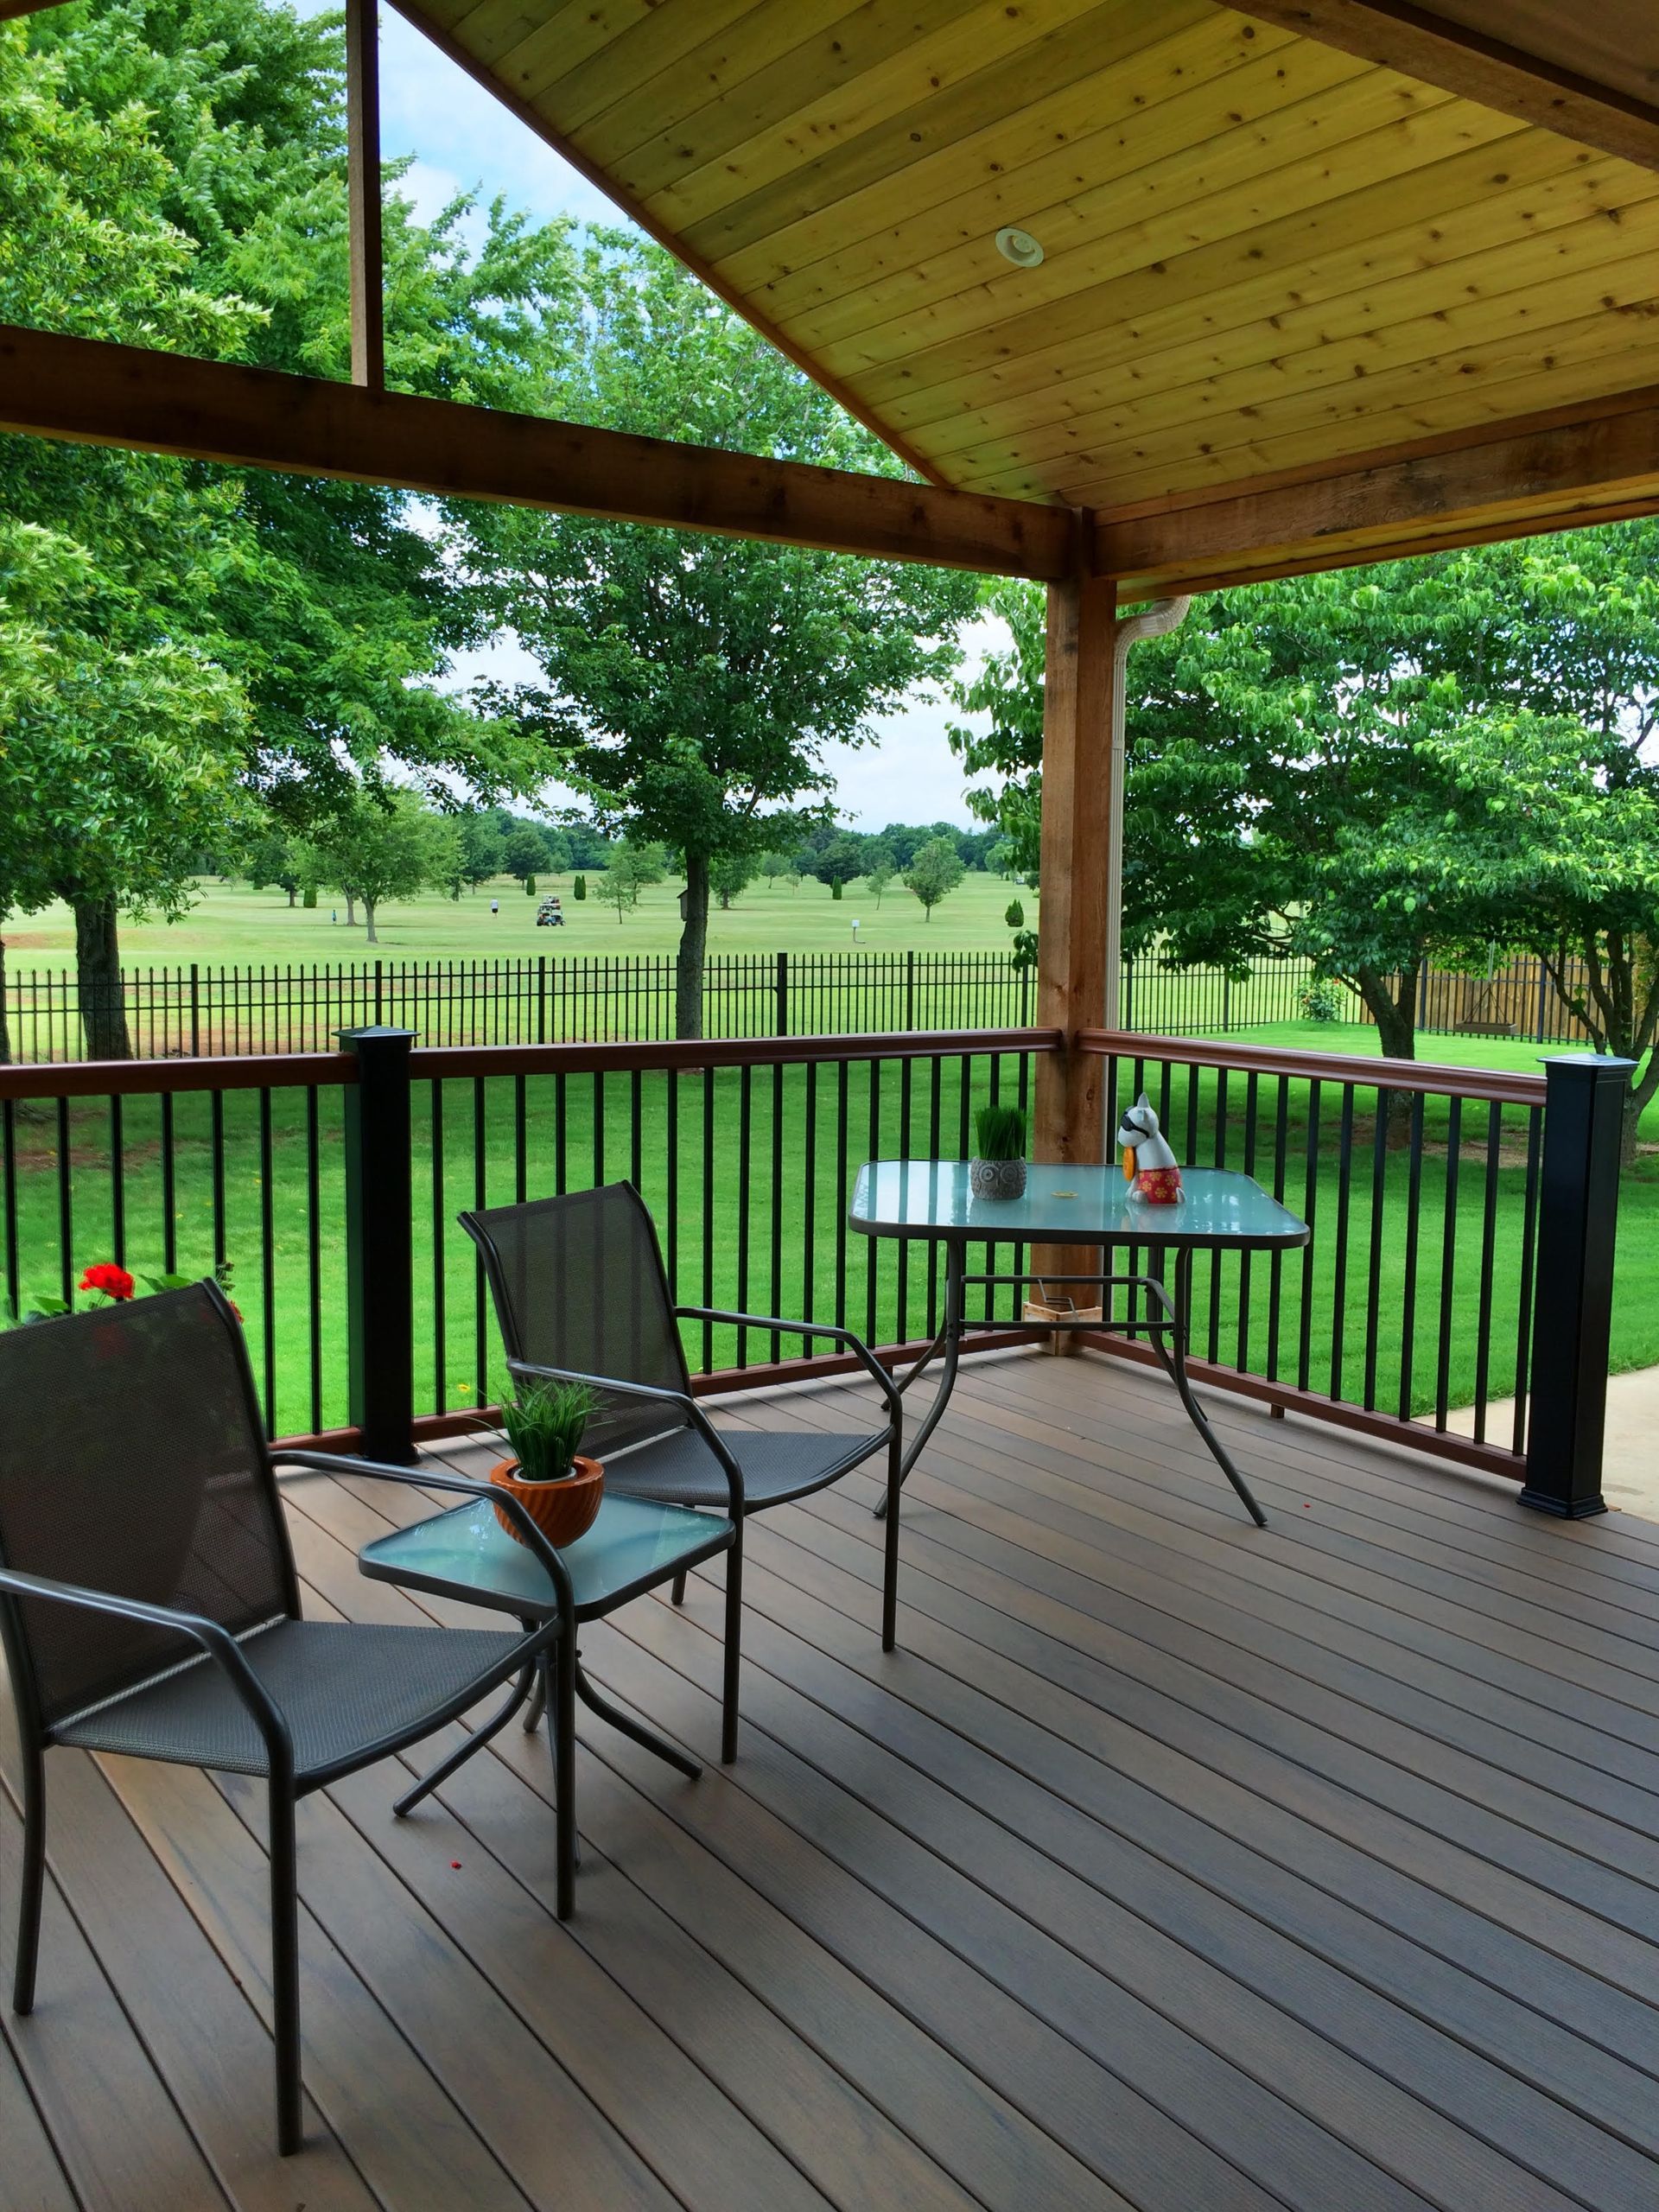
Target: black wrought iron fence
(203, 1011)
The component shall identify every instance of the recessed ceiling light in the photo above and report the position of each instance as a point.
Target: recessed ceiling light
(1019, 247)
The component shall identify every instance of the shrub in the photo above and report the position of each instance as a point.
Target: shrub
(1322, 1000)
(1015, 917)
(578, 888)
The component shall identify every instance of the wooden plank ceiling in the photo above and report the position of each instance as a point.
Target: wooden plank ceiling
(1265, 256)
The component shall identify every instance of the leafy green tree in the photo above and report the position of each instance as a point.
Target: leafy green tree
(268, 859)
(774, 866)
(693, 685)
(117, 761)
(479, 849)
(524, 851)
(934, 873)
(730, 876)
(388, 846)
(632, 867)
(841, 859)
(879, 869)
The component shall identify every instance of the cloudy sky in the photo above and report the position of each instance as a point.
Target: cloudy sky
(461, 140)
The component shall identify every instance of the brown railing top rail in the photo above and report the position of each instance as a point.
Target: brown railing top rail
(1495, 1086)
(295, 1070)
(724, 1052)
(137, 1078)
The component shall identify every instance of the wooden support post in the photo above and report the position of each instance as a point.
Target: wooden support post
(1081, 674)
(363, 191)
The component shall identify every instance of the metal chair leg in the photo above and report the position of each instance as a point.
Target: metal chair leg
(463, 1752)
(562, 1726)
(285, 1969)
(537, 1705)
(890, 1570)
(31, 1881)
(733, 1645)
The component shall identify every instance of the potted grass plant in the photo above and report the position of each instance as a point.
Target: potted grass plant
(559, 1489)
(998, 1164)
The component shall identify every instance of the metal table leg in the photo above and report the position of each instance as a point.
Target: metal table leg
(1174, 1360)
(475, 1742)
(625, 1725)
(954, 1268)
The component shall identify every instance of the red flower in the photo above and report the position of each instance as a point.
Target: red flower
(114, 1282)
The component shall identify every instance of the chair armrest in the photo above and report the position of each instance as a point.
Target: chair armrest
(694, 1417)
(861, 1352)
(219, 1644)
(338, 1463)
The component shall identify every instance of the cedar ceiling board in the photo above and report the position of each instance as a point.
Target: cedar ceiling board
(849, 233)
(1425, 42)
(649, 48)
(944, 353)
(1196, 195)
(924, 253)
(1204, 303)
(1507, 294)
(847, 80)
(1109, 34)
(1508, 399)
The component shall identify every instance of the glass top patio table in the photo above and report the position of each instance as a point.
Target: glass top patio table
(1220, 1208)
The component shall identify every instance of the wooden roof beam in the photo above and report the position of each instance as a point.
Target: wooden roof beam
(1594, 463)
(1420, 43)
(95, 393)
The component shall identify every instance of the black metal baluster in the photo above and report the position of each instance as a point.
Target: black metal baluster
(1408, 1300)
(521, 1139)
(1488, 1258)
(871, 1243)
(1310, 1208)
(1252, 1101)
(597, 1177)
(1344, 1207)
(1276, 1261)
(9, 1153)
(935, 1073)
(842, 1083)
(1528, 1256)
(314, 1248)
(480, 1198)
(809, 1075)
(1374, 1265)
(118, 1185)
(1448, 1260)
(440, 1232)
(745, 1130)
(708, 1296)
(777, 1305)
(169, 1190)
(268, 1256)
(671, 1175)
(66, 1209)
(901, 1308)
(216, 1125)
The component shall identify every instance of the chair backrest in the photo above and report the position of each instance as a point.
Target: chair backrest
(578, 1281)
(131, 1461)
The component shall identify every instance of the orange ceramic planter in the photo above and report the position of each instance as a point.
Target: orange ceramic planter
(562, 1510)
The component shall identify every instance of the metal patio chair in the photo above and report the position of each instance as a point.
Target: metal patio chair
(580, 1292)
(148, 1603)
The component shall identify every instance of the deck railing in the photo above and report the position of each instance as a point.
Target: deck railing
(328, 1185)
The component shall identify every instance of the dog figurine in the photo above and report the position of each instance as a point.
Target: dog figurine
(1149, 1165)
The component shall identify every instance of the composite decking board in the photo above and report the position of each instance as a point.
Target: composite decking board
(202, 2032)
(1387, 1765)
(1121, 2127)
(116, 2130)
(1275, 1807)
(712, 2154)
(1620, 1662)
(34, 2171)
(1137, 1877)
(410, 2139)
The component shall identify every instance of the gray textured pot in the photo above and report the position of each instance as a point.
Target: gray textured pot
(997, 1178)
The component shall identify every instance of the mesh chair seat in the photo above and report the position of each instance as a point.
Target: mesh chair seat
(343, 1687)
(680, 1469)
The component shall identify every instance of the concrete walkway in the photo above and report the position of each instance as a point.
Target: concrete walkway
(1630, 1479)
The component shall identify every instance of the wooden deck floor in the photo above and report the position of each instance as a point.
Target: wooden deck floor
(1168, 1865)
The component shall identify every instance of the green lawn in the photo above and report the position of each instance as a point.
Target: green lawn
(232, 923)
(706, 1150)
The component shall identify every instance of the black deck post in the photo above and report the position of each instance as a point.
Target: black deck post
(1572, 1314)
(379, 1264)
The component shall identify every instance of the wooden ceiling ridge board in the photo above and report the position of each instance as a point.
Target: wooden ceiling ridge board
(1410, 319)
(1242, 183)
(951, 349)
(91, 391)
(1067, 193)
(413, 12)
(1546, 471)
(1480, 64)
(1111, 80)
(1199, 304)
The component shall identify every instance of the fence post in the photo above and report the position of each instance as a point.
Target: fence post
(783, 994)
(380, 1259)
(1543, 1000)
(1577, 1219)
(195, 1012)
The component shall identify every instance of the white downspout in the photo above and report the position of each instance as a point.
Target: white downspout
(1155, 620)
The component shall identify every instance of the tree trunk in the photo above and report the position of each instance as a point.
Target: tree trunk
(292, 896)
(98, 977)
(1395, 1012)
(694, 944)
(368, 916)
(350, 910)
